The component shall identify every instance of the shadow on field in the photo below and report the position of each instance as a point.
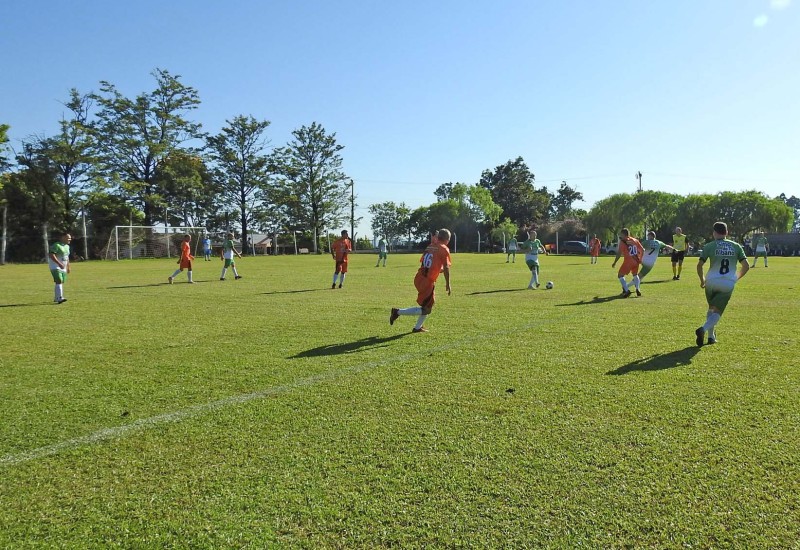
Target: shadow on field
(370, 342)
(595, 300)
(294, 291)
(28, 305)
(145, 286)
(679, 358)
(657, 282)
(496, 291)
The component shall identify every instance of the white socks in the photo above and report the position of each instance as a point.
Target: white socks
(59, 295)
(624, 284)
(420, 321)
(636, 280)
(711, 321)
(177, 272)
(224, 271)
(410, 311)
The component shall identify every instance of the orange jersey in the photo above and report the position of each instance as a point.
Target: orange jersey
(186, 251)
(594, 247)
(341, 247)
(435, 258)
(631, 248)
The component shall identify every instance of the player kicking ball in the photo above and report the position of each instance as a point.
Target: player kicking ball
(631, 249)
(532, 248)
(227, 253)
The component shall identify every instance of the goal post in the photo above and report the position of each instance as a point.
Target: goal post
(128, 242)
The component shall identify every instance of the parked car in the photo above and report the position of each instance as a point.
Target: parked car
(573, 247)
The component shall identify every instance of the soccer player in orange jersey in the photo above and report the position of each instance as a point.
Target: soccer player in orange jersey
(594, 248)
(631, 248)
(339, 250)
(435, 260)
(185, 261)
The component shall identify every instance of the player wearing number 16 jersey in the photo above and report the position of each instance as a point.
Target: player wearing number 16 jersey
(631, 249)
(720, 279)
(435, 260)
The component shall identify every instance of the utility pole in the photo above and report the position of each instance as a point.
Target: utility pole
(639, 178)
(352, 211)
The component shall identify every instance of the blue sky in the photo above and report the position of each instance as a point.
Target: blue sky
(700, 95)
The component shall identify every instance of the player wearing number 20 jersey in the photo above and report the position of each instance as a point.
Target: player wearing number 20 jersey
(722, 275)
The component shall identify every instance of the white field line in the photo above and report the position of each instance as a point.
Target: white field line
(146, 423)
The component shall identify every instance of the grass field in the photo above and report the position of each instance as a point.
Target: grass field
(274, 411)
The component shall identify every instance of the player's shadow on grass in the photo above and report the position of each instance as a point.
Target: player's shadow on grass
(144, 286)
(496, 291)
(656, 282)
(595, 300)
(370, 342)
(294, 291)
(28, 305)
(679, 358)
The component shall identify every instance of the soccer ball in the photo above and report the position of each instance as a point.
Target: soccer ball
(549, 285)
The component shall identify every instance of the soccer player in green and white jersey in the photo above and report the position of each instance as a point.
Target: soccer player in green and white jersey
(532, 248)
(383, 252)
(720, 279)
(761, 247)
(227, 253)
(652, 248)
(58, 262)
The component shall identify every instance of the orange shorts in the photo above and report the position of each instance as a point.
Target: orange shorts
(341, 267)
(186, 263)
(425, 292)
(629, 265)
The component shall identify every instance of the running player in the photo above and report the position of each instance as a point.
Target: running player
(339, 250)
(720, 279)
(631, 249)
(435, 260)
(652, 248)
(226, 254)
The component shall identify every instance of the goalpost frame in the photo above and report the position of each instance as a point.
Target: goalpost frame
(155, 230)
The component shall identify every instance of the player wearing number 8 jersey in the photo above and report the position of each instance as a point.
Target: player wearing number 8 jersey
(724, 254)
(631, 249)
(435, 260)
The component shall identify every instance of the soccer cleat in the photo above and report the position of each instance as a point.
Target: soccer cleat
(222, 278)
(530, 287)
(418, 330)
(699, 333)
(169, 279)
(538, 285)
(638, 292)
(678, 278)
(340, 285)
(711, 340)
(674, 277)
(237, 277)
(61, 301)
(394, 315)
(626, 293)
(333, 285)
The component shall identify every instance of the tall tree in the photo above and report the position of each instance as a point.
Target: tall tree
(511, 185)
(390, 220)
(188, 191)
(135, 136)
(793, 203)
(4, 162)
(561, 202)
(310, 180)
(241, 163)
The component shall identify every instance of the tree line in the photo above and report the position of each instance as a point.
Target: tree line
(505, 202)
(143, 160)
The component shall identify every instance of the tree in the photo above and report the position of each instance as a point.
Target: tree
(4, 162)
(241, 163)
(561, 203)
(390, 220)
(187, 189)
(310, 181)
(511, 186)
(134, 136)
(793, 203)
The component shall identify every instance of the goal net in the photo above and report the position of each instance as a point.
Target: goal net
(128, 242)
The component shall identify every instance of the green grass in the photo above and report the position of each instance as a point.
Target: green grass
(274, 411)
